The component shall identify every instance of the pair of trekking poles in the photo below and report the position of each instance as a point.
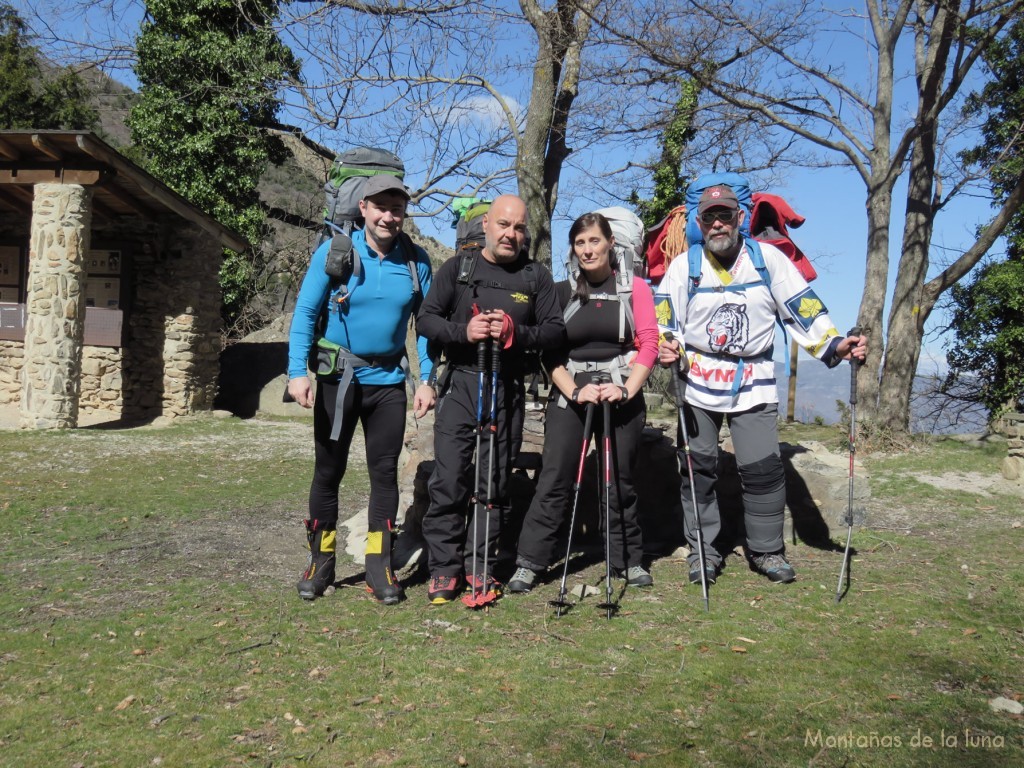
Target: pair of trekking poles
(680, 385)
(588, 427)
(480, 595)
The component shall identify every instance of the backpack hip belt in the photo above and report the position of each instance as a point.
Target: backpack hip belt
(328, 359)
(615, 367)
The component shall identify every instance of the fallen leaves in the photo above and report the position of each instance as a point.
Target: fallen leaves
(126, 702)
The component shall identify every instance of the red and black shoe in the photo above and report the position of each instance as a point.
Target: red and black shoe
(444, 589)
(482, 592)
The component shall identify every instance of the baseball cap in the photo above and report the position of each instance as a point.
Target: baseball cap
(385, 182)
(718, 196)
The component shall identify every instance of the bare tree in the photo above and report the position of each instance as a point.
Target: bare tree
(782, 72)
(471, 94)
(459, 72)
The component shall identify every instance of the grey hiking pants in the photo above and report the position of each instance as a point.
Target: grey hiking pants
(755, 440)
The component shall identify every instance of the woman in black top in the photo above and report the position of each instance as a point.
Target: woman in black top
(611, 330)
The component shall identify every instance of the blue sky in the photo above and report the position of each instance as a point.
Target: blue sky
(832, 200)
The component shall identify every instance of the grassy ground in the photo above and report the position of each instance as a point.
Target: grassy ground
(149, 617)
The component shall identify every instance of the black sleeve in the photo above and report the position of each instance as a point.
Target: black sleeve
(432, 321)
(548, 330)
(556, 356)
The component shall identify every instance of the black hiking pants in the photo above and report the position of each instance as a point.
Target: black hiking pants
(546, 522)
(449, 538)
(381, 411)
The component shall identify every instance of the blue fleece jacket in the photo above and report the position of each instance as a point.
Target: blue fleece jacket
(372, 322)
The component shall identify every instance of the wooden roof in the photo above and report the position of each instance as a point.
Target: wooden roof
(120, 188)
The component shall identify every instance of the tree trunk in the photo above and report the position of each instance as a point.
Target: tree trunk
(907, 316)
(561, 33)
(872, 303)
(530, 154)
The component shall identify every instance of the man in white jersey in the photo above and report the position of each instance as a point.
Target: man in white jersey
(726, 318)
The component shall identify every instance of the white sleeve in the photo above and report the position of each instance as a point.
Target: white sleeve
(670, 298)
(803, 314)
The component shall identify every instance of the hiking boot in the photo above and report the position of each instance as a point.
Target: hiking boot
(444, 589)
(637, 576)
(381, 581)
(774, 565)
(487, 585)
(319, 573)
(710, 572)
(523, 580)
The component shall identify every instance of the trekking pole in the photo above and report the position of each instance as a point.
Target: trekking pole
(680, 385)
(606, 416)
(481, 361)
(855, 331)
(479, 595)
(488, 596)
(588, 426)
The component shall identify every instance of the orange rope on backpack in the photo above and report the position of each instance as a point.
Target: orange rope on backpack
(674, 241)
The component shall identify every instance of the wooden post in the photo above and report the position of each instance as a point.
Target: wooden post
(791, 402)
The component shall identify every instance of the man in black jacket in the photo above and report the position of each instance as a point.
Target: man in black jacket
(497, 298)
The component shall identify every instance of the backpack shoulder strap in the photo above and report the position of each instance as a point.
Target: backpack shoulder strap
(409, 251)
(467, 264)
(693, 258)
(757, 260)
(530, 276)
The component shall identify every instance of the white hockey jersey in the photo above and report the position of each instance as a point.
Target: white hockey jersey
(729, 335)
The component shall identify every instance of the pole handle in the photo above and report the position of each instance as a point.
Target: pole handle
(680, 379)
(495, 356)
(854, 363)
(588, 423)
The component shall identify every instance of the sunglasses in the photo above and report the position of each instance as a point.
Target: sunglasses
(726, 217)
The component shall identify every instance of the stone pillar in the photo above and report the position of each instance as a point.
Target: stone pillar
(1012, 425)
(55, 306)
(192, 325)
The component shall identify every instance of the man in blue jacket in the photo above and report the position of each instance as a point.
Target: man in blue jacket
(359, 357)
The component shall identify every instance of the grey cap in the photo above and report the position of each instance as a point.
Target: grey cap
(385, 182)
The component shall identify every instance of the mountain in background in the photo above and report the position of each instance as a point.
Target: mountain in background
(819, 388)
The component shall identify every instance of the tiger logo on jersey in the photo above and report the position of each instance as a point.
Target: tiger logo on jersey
(728, 329)
(806, 307)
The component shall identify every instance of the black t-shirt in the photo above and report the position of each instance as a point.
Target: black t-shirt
(593, 331)
(448, 307)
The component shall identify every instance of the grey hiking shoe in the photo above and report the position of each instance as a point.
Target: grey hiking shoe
(637, 576)
(711, 573)
(523, 580)
(775, 566)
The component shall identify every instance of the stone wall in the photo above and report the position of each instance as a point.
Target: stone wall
(169, 362)
(12, 360)
(1012, 426)
(170, 358)
(101, 380)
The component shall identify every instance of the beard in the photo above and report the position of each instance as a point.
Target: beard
(723, 244)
